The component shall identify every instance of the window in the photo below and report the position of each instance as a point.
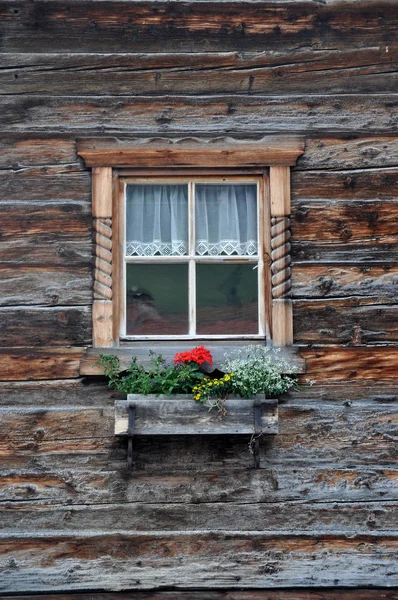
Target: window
(193, 258)
(191, 239)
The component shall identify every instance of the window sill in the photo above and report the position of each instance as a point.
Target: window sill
(89, 364)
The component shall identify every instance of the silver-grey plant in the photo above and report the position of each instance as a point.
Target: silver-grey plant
(259, 370)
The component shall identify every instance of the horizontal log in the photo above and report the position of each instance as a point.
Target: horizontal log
(360, 184)
(25, 285)
(334, 71)
(60, 249)
(351, 320)
(47, 183)
(302, 517)
(302, 594)
(338, 153)
(194, 26)
(20, 151)
(336, 363)
(303, 115)
(245, 486)
(338, 281)
(45, 326)
(356, 231)
(19, 364)
(22, 219)
(195, 560)
(355, 433)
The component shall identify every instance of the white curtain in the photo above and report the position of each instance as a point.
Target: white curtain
(226, 219)
(157, 220)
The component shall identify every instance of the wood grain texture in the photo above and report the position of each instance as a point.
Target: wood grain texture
(19, 364)
(194, 26)
(227, 559)
(45, 326)
(333, 70)
(61, 183)
(102, 324)
(26, 285)
(186, 153)
(181, 415)
(298, 594)
(233, 114)
(342, 281)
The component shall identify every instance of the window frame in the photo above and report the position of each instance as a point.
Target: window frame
(112, 161)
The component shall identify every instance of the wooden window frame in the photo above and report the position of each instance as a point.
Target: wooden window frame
(113, 160)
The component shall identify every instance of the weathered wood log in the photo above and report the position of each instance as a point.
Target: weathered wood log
(19, 364)
(233, 114)
(350, 434)
(195, 560)
(361, 184)
(349, 230)
(361, 70)
(45, 326)
(177, 484)
(298, 594)
(194, 26)
(323, 517)
(342, 281)
(47, 250)
(30, 184)
(25, 285)
(19, 151)
(350, 320)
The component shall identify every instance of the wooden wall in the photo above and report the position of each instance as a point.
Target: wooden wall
(321, 512)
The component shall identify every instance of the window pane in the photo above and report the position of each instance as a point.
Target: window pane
(226, 219)
(227, 299)
(156, 220)
(157, 299)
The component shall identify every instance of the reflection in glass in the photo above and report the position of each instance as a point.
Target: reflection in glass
(156, 220)
(157, 299)
(226, 219)
(227, 299)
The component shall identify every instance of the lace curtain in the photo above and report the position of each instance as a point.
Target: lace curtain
(157, 220)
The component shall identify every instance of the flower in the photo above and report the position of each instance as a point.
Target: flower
(198, 355)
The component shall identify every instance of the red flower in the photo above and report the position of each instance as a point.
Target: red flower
(198, 355)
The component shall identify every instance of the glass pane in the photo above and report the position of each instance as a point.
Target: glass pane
(156, 220)
(227, 299)
(157, 299)
(226, 219)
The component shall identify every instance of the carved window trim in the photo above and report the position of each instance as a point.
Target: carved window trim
(111, 159)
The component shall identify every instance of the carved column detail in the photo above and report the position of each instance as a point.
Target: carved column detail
(103, 259)
(280, 257)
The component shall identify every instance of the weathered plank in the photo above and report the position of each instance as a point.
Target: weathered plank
(360, 184)
(336, 363)
(345, 433)
(195, 560)
(298, 594)
(58, 183)
(19, 151)
(140, 350)
(246, 486)
(26, 285)
(342, 281)
(285, 517)
(357, 230)
(19, 364)
(240, 114)
(194, 26)
(45, 326)
(349, 320)
(60, 249)
(347, 153)
(362, 70)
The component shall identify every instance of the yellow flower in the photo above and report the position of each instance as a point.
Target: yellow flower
(210, 383)
(197, 397)
(227, 378)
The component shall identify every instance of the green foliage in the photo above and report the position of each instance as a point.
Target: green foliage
(258, 370)
(159, 378)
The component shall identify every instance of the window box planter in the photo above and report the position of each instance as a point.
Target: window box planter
(180, 415)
